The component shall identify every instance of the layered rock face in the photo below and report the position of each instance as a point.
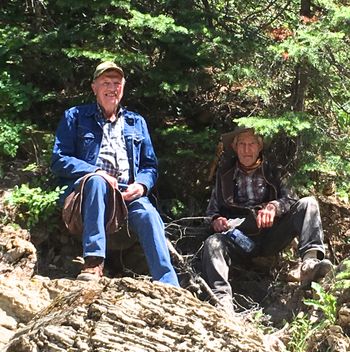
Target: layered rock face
(17, 293)
(133, 315)
(39, 314)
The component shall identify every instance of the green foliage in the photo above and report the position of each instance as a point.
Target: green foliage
(300, 329)
(344, 121)
(342, 279)
(325, 302)
(34, 205)
(183, 151)
(292, 124)
(14, 95)
(182, 141)
(221, 60)
(177, 209)
(160, 24)
(11, 136)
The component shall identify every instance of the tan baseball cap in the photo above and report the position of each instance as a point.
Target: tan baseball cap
(107, 65)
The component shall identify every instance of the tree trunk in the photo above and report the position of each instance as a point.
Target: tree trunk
(301, 70)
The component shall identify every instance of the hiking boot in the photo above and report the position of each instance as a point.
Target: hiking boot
(313, 269)
(92, 269)
(293, 275)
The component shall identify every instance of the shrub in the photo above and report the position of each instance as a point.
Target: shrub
(33, 205)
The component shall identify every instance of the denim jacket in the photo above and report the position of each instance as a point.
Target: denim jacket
(78, 140)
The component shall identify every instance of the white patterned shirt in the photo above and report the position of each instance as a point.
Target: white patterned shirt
(113, 157)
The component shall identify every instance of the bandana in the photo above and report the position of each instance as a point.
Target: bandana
(249, 169)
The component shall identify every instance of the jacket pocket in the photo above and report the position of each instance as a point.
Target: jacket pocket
(86, 145)
(137, 139)
(137, 142)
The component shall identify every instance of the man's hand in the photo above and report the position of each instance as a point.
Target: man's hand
(134, 191)
(220, 224)
(266, 216)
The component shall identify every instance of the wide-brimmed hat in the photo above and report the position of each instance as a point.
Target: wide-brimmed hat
(227, 138)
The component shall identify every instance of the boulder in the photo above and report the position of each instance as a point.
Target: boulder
(135, 315)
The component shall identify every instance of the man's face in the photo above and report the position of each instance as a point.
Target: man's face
(247, 148)
(108, 88)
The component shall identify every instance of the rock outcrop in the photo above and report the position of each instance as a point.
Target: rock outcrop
(39, 314)
(134, 315)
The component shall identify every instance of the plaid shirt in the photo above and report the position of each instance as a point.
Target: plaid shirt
(250, 189)
(113, 157)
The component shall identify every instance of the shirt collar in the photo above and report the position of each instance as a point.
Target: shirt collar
(240, 170)
(101, 119)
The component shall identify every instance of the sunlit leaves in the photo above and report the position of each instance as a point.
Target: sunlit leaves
(160, 24)
(290, 124)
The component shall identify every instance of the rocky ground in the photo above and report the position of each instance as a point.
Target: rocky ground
(38, 313)
(43, 308)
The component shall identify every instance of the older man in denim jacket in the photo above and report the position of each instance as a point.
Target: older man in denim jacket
(113, 143)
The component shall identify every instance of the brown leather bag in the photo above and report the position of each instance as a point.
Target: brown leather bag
(71, 213)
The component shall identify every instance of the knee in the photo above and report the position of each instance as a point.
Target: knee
(142, 205)
(95, 183)
(143, 212)
(151, 216)
(214, 243)
(309, 203)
